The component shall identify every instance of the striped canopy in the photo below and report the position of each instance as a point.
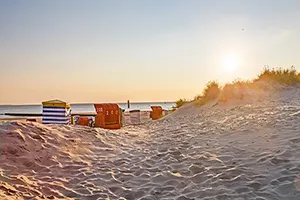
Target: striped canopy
(56, 103)
(56, 112)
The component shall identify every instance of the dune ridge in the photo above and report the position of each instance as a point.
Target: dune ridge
(240, 149)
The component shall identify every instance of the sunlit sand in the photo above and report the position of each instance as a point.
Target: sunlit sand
(241, 149)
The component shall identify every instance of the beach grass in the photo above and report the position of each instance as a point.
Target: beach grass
(181, 102)
(235, 90)
(210, 92)
(282, 76)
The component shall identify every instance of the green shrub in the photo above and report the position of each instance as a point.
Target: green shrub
(180, 103)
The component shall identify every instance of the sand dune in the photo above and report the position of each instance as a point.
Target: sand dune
(226, 151)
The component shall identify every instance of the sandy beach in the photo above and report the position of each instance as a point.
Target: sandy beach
(150, 100)
(236, 150)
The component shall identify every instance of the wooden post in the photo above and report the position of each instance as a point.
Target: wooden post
(128, 104)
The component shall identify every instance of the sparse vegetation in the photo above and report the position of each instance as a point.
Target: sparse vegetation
(282, 76)
(197, 97)
(210, 92)
(181, 102)
(236, 89)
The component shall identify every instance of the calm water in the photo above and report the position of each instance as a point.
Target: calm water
(37, 109)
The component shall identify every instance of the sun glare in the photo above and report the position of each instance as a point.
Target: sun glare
(230, 63)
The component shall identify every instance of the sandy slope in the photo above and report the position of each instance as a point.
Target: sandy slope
(230, 151)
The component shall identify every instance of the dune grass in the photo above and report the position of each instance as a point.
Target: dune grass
(282, 76)
(235, 90)
(210, 92)
(181, 102)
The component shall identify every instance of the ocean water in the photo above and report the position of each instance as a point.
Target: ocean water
(37, 109)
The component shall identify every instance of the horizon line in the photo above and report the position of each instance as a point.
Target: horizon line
(139, 102)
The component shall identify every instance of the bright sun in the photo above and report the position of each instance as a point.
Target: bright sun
(230, 63)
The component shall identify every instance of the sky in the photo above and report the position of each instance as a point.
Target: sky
(158, 50)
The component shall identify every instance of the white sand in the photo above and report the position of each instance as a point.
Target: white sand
(239, 150)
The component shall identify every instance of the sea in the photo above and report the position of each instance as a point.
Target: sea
(77, 108)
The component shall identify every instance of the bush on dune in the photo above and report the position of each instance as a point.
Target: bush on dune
(230, 91)
(197, 97)
(180, 103)
(236, 89)
(210, 92)
(282, 76)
